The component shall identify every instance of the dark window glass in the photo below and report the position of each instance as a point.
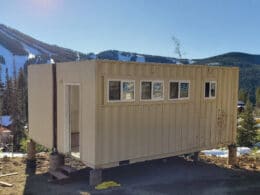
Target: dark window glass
(174, 90)
(114, 90)
(212, 89)
(207, 89)
(184, 90)
(146, 90)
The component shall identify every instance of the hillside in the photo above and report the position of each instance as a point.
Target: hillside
(19, 49)
(249, 65)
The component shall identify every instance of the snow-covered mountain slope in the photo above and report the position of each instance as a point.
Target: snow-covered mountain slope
(135, 57)
(18, 49)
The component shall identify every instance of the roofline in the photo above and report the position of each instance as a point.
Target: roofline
(146, 63)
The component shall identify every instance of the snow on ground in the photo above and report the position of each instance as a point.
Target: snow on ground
(224, 152)
(9, 154)
(31, 51)
(10, 59)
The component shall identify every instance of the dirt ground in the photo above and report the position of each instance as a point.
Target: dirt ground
(174, 175)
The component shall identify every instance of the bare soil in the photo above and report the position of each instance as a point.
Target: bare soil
(170, 176)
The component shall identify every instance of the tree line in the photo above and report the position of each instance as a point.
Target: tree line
(247, 134)
(13, 102)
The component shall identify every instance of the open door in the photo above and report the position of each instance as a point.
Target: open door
(72, 119)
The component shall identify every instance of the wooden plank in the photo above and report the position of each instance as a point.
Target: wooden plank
(9, 174)
(58, 175)
(2, 183)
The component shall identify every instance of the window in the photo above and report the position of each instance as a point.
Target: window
(151, 90)
(114, 90)
(157, 90)
(179, 90)
(174, 90)
(146, 88)
(121, 90)
(210, 89)
(184, 90)
(128, 91)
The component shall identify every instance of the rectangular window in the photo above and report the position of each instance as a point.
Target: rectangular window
(128, 91)
(179, 90)
(158, 90)
(207, 84)
(184, 90)
(210, 89)
(174, 90)
(114, 90)
(121, 90)
(146, 90)
(151, 90)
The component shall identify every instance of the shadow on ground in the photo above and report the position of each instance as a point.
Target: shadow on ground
(175, 176)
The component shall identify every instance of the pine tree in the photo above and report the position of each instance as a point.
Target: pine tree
(257, 97)
(7, 94)
(22, 95)
(242, 95)
(17, 108)
(246, 130)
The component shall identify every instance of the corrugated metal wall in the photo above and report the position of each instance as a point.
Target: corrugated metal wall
(145, 130)
(135, 131)
(40, 104)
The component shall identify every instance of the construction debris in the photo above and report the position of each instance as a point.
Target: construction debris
(106, 185)
(5, 184)
(9, 174)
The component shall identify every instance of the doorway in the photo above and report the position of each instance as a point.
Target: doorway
(72, 119)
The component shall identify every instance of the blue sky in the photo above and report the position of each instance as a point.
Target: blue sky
(204, 27)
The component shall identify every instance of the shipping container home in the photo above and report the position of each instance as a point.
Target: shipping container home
(110, 113)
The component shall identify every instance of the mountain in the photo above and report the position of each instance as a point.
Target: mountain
(249, 65)
(232, 59)
(19, 49)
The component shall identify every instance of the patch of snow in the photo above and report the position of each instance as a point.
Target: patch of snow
(140, 58)
(214, 64)
(34, 50)
(124, 58)
(10, 154)
(10, 59)
(224, 152)
(31, 50)
(191, 61)
(174, 61)
(51, 61)
(42, 49)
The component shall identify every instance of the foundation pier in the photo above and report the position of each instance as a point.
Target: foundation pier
(56, 161)
(196, 156)
(232, 155)
(95, 177)
(31, 150)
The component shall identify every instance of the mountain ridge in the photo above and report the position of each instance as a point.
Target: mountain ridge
(19, 49)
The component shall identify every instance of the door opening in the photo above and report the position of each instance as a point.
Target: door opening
(72, 119)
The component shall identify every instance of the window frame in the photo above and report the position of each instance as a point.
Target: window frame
(121, 90)
(179, 90)
(152, 97)
(210, 97)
